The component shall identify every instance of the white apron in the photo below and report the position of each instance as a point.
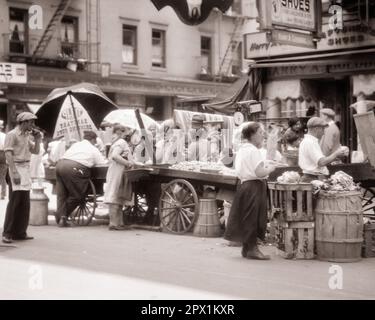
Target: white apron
(24, 171)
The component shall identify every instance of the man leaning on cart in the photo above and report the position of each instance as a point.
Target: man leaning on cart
(73, 173)
(311, 158)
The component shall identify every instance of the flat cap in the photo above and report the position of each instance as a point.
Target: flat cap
(25, 116)
(89, 135)
(316, 122)
(328, 112)
(198, 119)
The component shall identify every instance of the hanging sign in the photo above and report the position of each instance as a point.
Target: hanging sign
(13, 72)
(193, 12)
(66, 125)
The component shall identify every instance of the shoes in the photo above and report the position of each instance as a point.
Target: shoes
(255, 253)
(118, 228)
(7, 240)
(24, 238)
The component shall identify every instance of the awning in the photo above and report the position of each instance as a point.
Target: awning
(313, 59)
(226, 99)
(186, 99)
(290, 89)
(363, 85)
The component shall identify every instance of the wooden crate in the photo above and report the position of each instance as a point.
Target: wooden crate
(368, 247)
(291, 202)
(295, 239)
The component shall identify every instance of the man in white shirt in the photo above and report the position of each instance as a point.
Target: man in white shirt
(330, 141)
(73, 173)
(311, 158)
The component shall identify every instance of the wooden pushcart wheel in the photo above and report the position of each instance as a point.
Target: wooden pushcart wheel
(84, 213)
(178, 206)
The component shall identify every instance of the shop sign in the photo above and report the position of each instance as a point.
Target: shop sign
(13, 72)
(293, 38)
(257, 45)
(298, 14)
(332, 68)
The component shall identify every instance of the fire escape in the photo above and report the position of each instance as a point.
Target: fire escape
(71, 53)
(50, 30)
(230, 55)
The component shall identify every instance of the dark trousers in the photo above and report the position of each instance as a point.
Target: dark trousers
(17, 214)
(72, 181)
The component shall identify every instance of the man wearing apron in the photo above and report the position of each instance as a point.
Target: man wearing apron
(18, 148)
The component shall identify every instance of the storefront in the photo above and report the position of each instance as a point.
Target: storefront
(299, 81)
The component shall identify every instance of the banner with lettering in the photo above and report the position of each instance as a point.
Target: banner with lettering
(67, 125)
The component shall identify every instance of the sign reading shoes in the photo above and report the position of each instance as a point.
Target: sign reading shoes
(299, 14)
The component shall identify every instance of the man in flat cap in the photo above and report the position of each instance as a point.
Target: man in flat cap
(330, 141)
(311, 159)
(73, 172)
(199, 146)
(18, 148)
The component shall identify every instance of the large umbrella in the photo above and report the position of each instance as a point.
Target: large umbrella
(72, 105)
(127, 118)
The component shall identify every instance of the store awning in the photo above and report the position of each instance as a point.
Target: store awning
(364, 85)
(225, 101)
(186, 99)
(290, 89)
(312, 59)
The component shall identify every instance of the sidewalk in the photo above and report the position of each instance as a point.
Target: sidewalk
(94, 263)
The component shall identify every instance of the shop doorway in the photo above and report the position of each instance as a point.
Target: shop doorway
(335, 93)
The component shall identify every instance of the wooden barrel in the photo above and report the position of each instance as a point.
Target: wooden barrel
(208, 223)
(339, 226)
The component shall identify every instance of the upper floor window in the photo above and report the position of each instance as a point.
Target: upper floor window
(158, 48)
(18, 33)
(69, 36)
(206, 55)
(129, 44)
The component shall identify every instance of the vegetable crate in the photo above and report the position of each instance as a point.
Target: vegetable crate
(368, 247)
(295, 239)
(291, 202)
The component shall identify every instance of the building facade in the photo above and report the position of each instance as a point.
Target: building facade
(140, 57)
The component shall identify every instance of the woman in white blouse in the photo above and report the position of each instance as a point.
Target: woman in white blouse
(248, 216)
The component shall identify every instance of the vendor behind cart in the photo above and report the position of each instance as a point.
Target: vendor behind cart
(311, 158)
(73, 173)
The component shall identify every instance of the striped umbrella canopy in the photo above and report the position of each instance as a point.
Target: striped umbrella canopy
(88, 95)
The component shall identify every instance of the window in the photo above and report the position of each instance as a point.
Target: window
(69, 36)
(18, 33)
(205, 55)
(129, 44)
(237, 60)
(158, 48)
